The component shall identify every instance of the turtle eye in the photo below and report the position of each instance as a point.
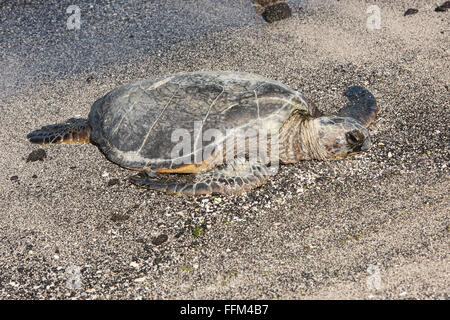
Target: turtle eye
(354, 137)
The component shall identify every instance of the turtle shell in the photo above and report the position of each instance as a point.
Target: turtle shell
(137, 124)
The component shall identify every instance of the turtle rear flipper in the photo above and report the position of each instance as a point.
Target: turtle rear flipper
(235, 177)
(74, 130)
(362, 105)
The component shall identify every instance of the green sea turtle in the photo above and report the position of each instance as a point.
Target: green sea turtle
(205, 132)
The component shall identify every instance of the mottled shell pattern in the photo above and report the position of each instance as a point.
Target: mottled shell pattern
(134, 124)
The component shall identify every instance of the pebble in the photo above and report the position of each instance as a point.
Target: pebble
(410, 11)
(443, 7)
(276, 12)
(113, 182)
(160, 239)
(142, 279)
(37, 155)
(181, 213)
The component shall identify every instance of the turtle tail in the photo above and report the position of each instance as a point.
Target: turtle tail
(73, 130)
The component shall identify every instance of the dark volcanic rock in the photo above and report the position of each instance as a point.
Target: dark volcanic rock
(276, 12)
(116, 217)
(36, 155)
(443, 7)
(160, 239)
(113, 182)
(410, 11)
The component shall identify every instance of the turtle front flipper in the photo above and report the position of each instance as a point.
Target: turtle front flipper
(362, 105)
(73, 130)
(235, 177)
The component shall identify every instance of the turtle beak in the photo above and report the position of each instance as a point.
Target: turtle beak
(367, 144)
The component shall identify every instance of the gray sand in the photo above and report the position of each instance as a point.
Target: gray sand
(374, 226)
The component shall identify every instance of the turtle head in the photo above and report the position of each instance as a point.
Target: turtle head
(339, 137)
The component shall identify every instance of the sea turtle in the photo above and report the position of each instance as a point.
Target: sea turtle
(183, 131)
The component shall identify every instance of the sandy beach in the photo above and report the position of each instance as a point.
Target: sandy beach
(373, 226)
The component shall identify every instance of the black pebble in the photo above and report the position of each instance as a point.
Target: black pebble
(113, 182)
(34, 176)
(14, 178)
(119, 217)
(179, 234)
(36, 155)
(443, 7)
(321, 179)
(276, 12)
(160, 239)
(410, 11)
(89, 79)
